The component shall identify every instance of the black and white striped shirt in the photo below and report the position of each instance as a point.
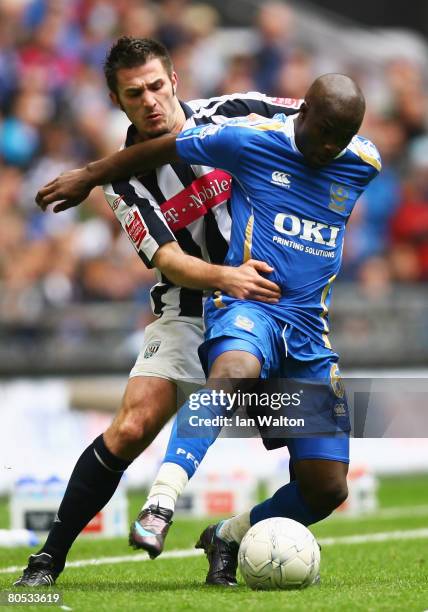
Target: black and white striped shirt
(189, 204)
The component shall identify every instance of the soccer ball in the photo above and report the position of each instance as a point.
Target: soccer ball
(279, 553)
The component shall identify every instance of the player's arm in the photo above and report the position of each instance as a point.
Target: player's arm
(242, 282)
(218, 146)
(155, 243)
(222, 145)
(71, 188)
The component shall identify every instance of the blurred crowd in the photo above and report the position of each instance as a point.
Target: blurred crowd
(55, 115)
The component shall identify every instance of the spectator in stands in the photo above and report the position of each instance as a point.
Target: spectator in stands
(369, 226)
(273, 24)
(410, 223)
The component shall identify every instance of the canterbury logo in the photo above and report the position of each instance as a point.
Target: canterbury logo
(281, 178)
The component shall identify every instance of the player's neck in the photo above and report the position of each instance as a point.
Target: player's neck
(180, 118)
(297, 133)
(177, 123)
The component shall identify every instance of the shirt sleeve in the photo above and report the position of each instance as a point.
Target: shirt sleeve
(242, 104)
(259, 104)
(140, 218)
(369, 155)
(218, 146)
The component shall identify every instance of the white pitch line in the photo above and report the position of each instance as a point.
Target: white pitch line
(397, 511)
(172, 554)
(392, 512)
(410, 534)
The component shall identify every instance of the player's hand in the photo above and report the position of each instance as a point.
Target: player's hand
(68, 189)
(246, 283)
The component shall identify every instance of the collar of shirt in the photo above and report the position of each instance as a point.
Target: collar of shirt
(187, 109)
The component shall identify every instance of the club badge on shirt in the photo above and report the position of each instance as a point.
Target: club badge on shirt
(151, 349)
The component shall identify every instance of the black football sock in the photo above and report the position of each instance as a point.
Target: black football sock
(94, 479)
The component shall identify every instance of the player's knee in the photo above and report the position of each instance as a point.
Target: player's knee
(234, 371)
(326, 496)
(129, 431)
(228, 367)
(136, 425)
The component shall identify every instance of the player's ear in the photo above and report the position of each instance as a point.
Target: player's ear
(303, 108)
(115, 100)
(174, 81)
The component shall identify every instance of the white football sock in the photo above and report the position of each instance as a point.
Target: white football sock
(234, 529)
(167, 487)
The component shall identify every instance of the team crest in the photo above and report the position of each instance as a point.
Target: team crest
(336, 382)
(339, 194)
(340, 410)
(151, 349)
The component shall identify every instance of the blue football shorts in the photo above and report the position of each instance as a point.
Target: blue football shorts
(287, 354)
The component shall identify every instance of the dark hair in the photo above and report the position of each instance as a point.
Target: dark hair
(129, 52)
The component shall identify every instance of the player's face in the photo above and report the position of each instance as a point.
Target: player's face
(321, 137)
(146, 94)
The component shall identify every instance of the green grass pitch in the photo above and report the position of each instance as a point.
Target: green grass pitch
(391, 575)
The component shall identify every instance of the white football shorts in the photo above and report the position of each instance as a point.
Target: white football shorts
(170, 351)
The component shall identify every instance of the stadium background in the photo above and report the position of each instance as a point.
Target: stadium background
(73, 294)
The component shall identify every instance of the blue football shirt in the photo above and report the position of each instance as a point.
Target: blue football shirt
(284, 212)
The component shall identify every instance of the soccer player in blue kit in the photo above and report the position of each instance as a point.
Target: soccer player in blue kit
(295, 182)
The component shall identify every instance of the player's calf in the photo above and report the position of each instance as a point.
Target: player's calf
(147, 405)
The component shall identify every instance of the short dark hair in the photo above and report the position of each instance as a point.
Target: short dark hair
(130, 52)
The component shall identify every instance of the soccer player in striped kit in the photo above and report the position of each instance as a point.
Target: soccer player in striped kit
(177, 219)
